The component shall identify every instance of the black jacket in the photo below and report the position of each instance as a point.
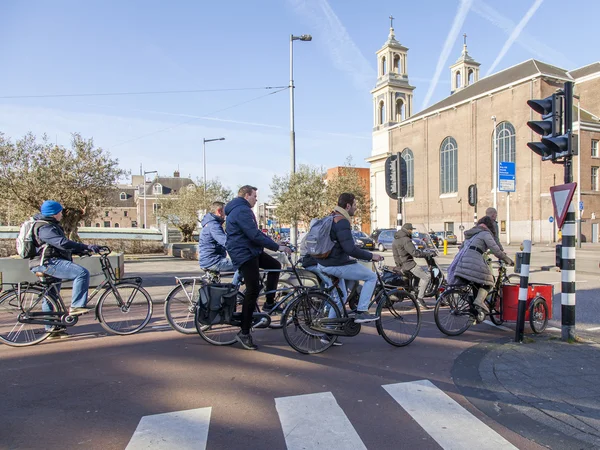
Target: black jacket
(404, 250)
(58, 246)
(344, 247)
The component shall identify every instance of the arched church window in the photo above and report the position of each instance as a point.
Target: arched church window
(383, 66)
(458, 80)
(397, 68)
(471, 77)
(448, 166)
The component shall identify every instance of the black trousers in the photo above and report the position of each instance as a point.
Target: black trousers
(250, 270)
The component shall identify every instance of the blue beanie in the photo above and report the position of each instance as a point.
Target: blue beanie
(50, 208)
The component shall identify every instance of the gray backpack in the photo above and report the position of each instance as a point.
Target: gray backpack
(317, 242)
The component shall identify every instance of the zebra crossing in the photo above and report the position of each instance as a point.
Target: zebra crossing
(316, 421)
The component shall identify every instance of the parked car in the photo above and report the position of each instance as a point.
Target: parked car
(362, 240)
(385, 238)
(451, 238)
(419, 240)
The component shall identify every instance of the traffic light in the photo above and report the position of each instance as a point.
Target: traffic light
(556, 127)
(472, 195)
(392, 179)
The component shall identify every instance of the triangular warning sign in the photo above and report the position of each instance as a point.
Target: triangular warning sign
(561, 199)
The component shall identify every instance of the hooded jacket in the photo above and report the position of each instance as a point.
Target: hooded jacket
(244, 240)
(404, 250)
(58, 246)
(471, 264)
(211, 245)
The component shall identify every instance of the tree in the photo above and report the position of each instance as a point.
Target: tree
(348, 180)
(32, 171)
(181, 209)
(301, 197)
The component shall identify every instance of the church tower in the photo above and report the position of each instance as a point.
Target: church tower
(393, 95)
(465, 71)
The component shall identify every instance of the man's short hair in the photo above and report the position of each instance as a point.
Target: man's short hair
(491, 210)
(246, 190)
(346, 199)
(216, 206)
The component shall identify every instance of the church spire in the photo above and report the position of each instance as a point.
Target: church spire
(465, 71)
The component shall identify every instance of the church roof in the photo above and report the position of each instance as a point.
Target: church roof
(585, 70)
(505, 77)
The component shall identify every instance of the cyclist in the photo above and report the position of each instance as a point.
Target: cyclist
(405, 252)
(212, 254)
(470, 263)
(53, 258)
(245, 245)
(340, 263)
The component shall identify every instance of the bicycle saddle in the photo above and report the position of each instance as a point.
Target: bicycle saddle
(49, 279)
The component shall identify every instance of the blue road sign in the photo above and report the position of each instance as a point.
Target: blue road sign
(550, 219)
(506, 176)
(581, 206)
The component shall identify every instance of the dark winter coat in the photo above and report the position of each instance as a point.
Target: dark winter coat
(471, 264)
(58, 246)
(244, 240)
(404, 250)
(343, 247)
(211, 245)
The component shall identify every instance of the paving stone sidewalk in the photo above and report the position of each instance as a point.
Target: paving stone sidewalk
(552, 382)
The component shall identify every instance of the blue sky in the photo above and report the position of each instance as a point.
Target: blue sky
(107, 46)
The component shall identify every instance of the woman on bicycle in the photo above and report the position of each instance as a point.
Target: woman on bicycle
(470, 263)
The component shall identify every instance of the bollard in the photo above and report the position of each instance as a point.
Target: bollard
(523, 291)
(445, 246)
(567, 268)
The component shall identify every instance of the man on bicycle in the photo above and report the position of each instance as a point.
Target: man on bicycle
(212, 254)
(405, 252)
(53, 257)
(340, 263)
(245, 245)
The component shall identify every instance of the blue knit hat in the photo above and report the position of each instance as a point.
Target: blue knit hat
(50, 208)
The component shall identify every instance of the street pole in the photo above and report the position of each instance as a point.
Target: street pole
(567, 264)
(495, 165)
(579, 211)
(462, 238)
(399, 189)
(204, 141)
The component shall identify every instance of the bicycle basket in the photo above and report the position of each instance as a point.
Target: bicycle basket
(217, 303)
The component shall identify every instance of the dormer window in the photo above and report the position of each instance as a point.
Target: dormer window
(122, 196)
(157, 189)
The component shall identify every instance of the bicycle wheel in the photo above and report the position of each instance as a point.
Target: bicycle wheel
(180, 307)
(453, 312)
(282, 300)
(220, 334)
(15, 333)
(129, 314)
(494, 307)
(538, 315)
(399, 317)
(299, 319)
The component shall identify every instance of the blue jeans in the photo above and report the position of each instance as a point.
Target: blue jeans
(225, 265)
(326, 281)
(67, 270)
(355, 272)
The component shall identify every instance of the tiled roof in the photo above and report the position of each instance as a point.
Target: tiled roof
(585, 70)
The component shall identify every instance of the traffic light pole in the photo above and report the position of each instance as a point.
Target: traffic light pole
(567, 263)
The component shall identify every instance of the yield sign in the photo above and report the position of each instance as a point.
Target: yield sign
(561, 199)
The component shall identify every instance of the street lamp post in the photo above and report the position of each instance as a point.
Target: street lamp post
(204, 141)
(145, 216)
(305, 38)
(462, 235)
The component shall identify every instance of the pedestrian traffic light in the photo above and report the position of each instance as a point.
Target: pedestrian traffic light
(549, 127)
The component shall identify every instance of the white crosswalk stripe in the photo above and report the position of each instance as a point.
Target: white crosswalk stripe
(316, 421)
(452, 426)
(181, 430)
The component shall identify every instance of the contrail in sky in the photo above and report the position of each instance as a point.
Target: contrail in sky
(459, 19)
(515, 34)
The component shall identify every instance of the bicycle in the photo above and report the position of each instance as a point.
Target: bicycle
(455, 311)
(224, 334)
(313, 321)
(30, 312)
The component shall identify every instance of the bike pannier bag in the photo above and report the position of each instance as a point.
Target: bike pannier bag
(217, 303)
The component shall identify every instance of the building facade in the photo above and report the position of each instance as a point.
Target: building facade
(460, 141)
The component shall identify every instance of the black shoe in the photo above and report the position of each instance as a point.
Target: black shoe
(423, 304)
(246, 341)
(268, 307)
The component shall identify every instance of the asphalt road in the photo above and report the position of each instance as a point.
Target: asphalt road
(97, 391)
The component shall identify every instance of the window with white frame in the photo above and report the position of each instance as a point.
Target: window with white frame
(448, 166)
(407, 156)
(506, 142)
(594, 148)
(595, 179)
(123, 196)
(157, 189)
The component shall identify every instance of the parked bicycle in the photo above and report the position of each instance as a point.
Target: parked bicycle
(313, 321)
(455, 312)
(30, 312)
